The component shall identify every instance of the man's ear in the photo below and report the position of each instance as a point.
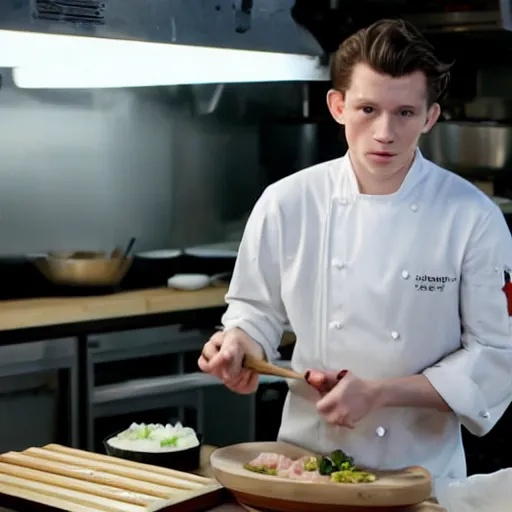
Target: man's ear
(336, 104)
(432, 116)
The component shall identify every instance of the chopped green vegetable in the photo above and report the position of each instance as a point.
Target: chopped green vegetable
(340, 460)
(146, 432)
(260, 469)
(325, 465)
(337, 461)
(352, 477)
(341, 469)
(170, 441)
(311, 464)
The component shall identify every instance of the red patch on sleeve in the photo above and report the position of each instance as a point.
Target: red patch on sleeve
(508, 293)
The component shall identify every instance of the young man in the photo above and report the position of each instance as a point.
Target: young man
(386, 266)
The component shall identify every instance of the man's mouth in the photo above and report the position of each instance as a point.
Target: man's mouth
(382, 153)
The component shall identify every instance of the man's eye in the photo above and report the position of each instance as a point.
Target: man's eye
(406, 113)
(368, 110)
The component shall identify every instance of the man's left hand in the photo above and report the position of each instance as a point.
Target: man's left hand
(349, 401)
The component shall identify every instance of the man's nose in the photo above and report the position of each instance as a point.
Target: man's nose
(384, 132)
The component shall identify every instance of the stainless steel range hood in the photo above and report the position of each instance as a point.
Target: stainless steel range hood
(122, 43)
(456, 17)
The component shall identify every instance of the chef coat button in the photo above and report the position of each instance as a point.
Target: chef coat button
(414, 207)
(343, 201)
(335, 325)
(395, 335)
(485, 415)
(405, 274)
(381, 431)
(338, 263)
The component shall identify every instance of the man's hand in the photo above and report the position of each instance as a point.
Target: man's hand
(349, 401)
(223, 355)
(323, 382)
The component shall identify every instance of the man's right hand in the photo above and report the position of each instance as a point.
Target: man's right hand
(223, 356)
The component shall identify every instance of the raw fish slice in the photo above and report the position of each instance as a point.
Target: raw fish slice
(272, 461)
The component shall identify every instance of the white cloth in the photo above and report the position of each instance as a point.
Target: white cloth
(375, 284)
(478, 493)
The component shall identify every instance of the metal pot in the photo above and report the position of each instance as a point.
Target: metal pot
(468, 147)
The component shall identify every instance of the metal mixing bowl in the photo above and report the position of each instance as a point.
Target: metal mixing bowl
(83, 268)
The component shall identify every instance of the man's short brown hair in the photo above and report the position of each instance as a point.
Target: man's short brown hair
(392, 47)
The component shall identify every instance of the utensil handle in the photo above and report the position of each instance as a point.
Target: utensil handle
(265, 368)
(128, 248)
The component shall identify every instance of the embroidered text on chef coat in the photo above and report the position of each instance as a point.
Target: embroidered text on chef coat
(429, 283)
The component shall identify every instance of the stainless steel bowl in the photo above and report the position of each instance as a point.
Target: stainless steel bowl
(83, 268)
(469, 147)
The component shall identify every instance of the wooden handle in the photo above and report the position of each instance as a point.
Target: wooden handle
(264, 368)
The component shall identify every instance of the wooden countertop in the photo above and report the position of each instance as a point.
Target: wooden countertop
(27, 313)
(19, 314)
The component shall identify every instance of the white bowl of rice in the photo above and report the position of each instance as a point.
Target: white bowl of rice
(172, 446)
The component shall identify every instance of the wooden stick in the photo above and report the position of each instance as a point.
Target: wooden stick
(173, 473)
(91, 475)
(74, 484)
(265, 368)
(75, 500)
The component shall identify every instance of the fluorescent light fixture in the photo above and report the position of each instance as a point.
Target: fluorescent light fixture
(58, 61)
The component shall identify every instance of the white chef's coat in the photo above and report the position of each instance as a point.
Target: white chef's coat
(385, 286)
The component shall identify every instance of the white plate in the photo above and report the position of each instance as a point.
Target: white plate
(189, 281)
(161, 254)
(221, 250)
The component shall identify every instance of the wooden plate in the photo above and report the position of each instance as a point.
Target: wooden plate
(392, 489)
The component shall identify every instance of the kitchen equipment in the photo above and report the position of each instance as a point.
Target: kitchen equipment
(218, 250)
(64, 478)
(469, 148)
(182, 460)
(189, 281)
(152, 269)
(264, 368)
(392, 489)
(227, 24)
(438, 16)
(290, 145)
(162, 254)
(84, 268)
(211, 259)
(193, 46)
(126, 251)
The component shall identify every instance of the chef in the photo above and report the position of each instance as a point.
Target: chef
(391, 271)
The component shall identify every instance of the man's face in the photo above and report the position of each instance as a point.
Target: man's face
(383, 117)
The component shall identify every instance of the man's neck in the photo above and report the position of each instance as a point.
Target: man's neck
(374, 185)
